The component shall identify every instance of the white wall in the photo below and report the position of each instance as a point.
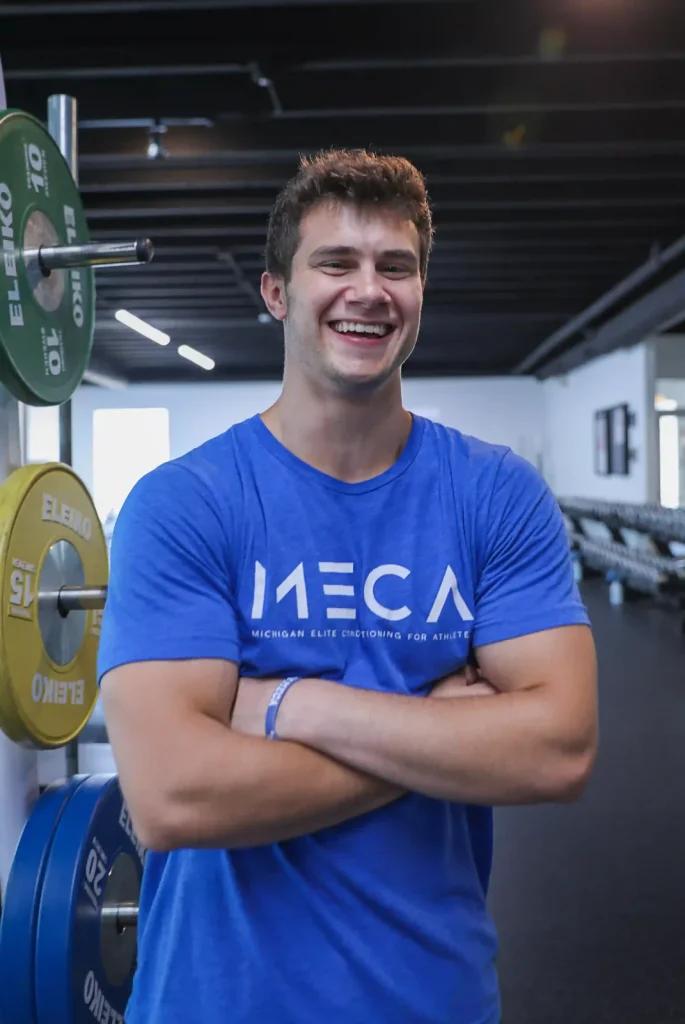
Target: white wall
(500, 410)
(507, 410)
(570, 403)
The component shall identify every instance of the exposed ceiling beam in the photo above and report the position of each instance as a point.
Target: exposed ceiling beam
(600, 310)
(31, 8)
(163, 277)
(159, 184)
(464, 110)
(236, 157)
(495, 60)
(643, 318)
(379, 63)
(198, 292)
(197, 209)
(125, 71)
(178, 113)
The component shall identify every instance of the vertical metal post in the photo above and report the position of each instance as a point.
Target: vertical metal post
(3, 97)
(63, 126)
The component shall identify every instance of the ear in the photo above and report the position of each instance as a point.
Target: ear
(273, 293)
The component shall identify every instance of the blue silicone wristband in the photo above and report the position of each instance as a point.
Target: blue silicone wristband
(274, 704)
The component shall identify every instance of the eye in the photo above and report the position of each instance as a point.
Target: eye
(335, 265)
(395, 269)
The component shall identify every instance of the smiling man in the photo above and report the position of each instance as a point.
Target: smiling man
(294, 613)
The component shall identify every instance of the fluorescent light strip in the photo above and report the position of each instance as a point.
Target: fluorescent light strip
(136, 324)
(196, 357)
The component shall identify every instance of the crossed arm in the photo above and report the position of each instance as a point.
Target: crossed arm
(193, 780)
(535, 741)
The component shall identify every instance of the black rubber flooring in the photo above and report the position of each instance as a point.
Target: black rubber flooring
(589, 899)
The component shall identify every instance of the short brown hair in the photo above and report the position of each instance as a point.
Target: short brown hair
(344, 175)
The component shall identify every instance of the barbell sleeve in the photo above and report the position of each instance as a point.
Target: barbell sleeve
(123, 915)
(76, 599)
(94, 254)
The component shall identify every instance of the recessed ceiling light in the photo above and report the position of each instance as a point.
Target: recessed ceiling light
(136, 324)
(196, 357)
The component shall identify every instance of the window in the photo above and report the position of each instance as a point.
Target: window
(127, 444)
(672, 459)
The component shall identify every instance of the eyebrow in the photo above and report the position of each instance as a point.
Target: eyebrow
(329, 251)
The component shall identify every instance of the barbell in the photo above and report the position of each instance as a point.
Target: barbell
(47, 289)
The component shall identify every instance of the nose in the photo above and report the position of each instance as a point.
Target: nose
(368, 287)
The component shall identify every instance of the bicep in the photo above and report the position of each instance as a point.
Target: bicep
(555, 657)
(151, 709)
(149, 697)
(170, 638)
(560, 664)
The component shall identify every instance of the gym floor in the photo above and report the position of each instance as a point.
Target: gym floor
(590, 899)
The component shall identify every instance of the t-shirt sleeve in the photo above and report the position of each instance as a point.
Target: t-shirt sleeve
(170, 590)
(526, 581)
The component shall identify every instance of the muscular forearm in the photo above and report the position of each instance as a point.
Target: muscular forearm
(237, 791)
(507, 749)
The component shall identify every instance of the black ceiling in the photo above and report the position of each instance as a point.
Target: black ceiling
(550, 132)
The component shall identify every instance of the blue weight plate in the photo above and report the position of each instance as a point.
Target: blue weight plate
(19, 919)
(84, 965)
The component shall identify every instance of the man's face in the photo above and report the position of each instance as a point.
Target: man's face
(352, 307)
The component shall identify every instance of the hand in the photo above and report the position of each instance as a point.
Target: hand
(466, 683)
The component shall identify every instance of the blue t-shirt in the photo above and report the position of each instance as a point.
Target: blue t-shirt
(239, 550)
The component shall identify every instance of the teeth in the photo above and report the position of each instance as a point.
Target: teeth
(350, 327)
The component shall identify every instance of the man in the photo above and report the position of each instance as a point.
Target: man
(293, 610)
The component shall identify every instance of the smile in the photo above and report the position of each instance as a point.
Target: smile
(379, 330)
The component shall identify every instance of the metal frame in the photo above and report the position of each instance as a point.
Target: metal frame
(19, 768)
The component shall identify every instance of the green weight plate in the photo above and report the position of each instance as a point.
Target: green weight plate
(46, 323)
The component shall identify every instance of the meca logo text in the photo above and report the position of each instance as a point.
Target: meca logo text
(449, 588)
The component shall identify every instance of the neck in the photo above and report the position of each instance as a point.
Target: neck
(350, 437)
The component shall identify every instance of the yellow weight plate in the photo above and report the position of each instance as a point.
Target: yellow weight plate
(50, 536)
(10, 722)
